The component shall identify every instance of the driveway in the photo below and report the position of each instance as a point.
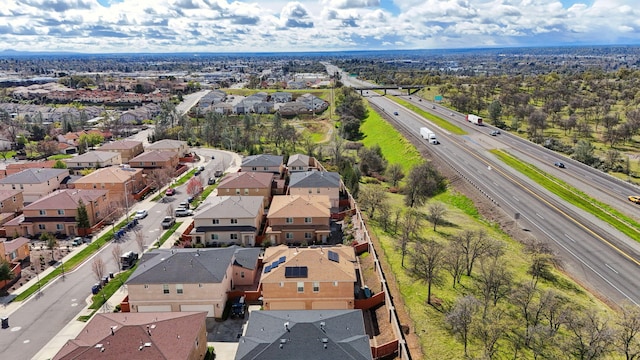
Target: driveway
(224, 337)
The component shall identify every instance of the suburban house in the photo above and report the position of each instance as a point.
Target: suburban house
(14, 250)
(248, 184)
(180, 147)
(94, 159)
(17, 167)
(317, 183)
(225, 220)
(11, 201)
(263, 163)
(155, 159)
(300, 162)
(128, 149)
(144, 336)
(281, 97)
(118, 180)
(56, 213)
(311, 278)
(299, 219)
(308, 335)
(35, 183)
(190, 279)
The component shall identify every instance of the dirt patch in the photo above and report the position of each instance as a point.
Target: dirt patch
(40, 260)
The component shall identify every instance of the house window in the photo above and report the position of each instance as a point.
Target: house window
(289, 236)
(316, 286)
(21, 187)
(199, 285)
(242, 274)
(43, 212)
(234, 221)
(60, 212)
(216, 221)
(254, 168)
(246, 191)
(214, 236)
(318, 190)
(41, 226)
(95, 186)
(265, 168)
(227, 191)
(289, 220)
(153, 163)
(59, 227)
(309, 191)
(237, 191)
(281, 283)
(146, 286)
(308, 235)
(14, 199)
(335, 283)
(300, 286)
(13, 186)
(179, 289)
(233, 236)
(165, 288)
(1, 205)
(307, 220)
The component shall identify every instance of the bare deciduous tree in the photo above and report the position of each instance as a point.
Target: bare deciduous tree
(116, 252)
(590, 337)
(395, 174)
(474, 244)
(370, 198)
(454, 262)
(461, 316)
(628, 335)
(99, 267)
(409, 230)
(140, 239)
(426, 259)
(437, 211)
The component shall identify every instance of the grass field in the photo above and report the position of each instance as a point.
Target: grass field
(395, 148)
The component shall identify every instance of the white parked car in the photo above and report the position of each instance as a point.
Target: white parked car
(141, 214)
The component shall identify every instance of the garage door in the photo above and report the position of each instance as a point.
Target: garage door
(280, 305)
(329, 305)
(207, 308)
(154, 308)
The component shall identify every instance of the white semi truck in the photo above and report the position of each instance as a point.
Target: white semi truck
(429, 135)
(474, 119)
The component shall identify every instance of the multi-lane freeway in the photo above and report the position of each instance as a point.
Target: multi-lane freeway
(593, 252)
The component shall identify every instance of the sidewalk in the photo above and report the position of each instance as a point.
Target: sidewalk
(74, 327)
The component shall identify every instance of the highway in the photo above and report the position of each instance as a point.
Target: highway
(593, 253)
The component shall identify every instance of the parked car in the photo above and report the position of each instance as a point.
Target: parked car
(201, 168)
(635, 199)
(170, 192)
(559, 164)
(141, 214)
(238, 308)
(183, 212)
(77, 241)
(395, 113)
(183, 205)
(190, 198)
(211, 181)
(95, 289)
(218, 173)
(197, 172)
(168, 222)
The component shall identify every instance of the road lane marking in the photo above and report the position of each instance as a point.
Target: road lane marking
(540, 216)
(516, 199)
(569, 237)
(612, 269)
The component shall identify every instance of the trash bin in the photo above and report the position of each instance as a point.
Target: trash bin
(110, 275)
(5, 322)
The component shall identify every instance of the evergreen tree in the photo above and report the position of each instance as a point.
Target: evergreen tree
(83, 216)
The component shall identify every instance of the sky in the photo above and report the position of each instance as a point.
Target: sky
(165, 26)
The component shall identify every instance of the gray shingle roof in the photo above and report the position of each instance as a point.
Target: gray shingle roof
(94, 156)
(190, 266)
(298, 160)
(35, 176)
(343, 334)
(314, 179)
(263, 160)
(226, 207)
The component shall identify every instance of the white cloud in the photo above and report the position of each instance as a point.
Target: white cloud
(280, 25)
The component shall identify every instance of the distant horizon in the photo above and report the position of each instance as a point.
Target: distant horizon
(276, 26)
(4, 52)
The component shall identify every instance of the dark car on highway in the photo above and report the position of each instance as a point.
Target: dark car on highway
(559, 164)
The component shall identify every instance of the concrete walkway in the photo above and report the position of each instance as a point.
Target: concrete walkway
(74, 327)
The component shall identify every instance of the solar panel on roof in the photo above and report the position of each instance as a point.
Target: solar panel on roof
(296, 272)
(334, 256)
(282, 259)
(267, 269)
